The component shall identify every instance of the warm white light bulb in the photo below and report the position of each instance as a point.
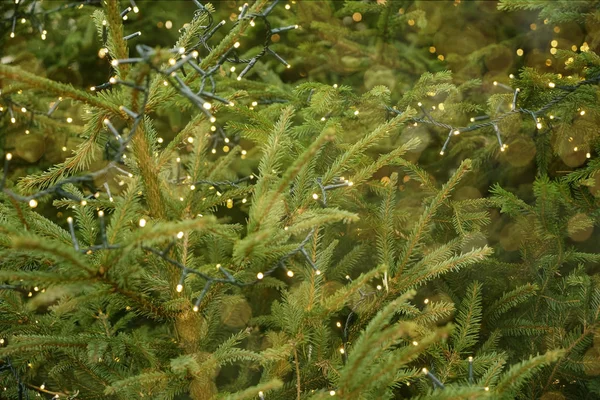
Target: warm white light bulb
(179, 235)
(179, 288)
(142, 222)
(290, 274)
(260, 275)
(33, 203)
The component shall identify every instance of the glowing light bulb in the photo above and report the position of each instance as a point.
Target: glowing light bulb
(260, 275)
(179, 235)
(190, 139)
(318, 272)
(69, 120)
(8, 156)
(415, 343)
(254, 103)
(426, 301)
(456, 132)
(539, 125)
(342, 350)
(315, 196)
(582, 112)
(236, 44)
(33, 203)
(552, 84)
(114, 63)
(495, 83)
(290, 274)
(332, 392)
(338, 324)
(142, 222)
(179, 288)
(356, 112)
(588, 155)
(207, 105)
(195, 308)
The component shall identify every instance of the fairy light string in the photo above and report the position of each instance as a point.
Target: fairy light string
(31, 11)
(535, 114)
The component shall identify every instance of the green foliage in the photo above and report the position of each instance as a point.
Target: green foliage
(321, 246)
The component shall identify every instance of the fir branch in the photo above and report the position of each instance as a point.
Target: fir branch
(55, 88)
(423, 225)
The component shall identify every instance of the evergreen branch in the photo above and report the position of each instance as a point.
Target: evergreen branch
(337, 301)
(415, 277)
(55, 88)
(345, 160)
(36, 343)
(59, 251)
(424, 224)
(519, 373)
(116, 44)
(510, 300)
(468, 320)
(251, 392)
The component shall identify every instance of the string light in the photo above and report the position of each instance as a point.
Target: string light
(260, 275)
(33, 203)
(142, 222)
